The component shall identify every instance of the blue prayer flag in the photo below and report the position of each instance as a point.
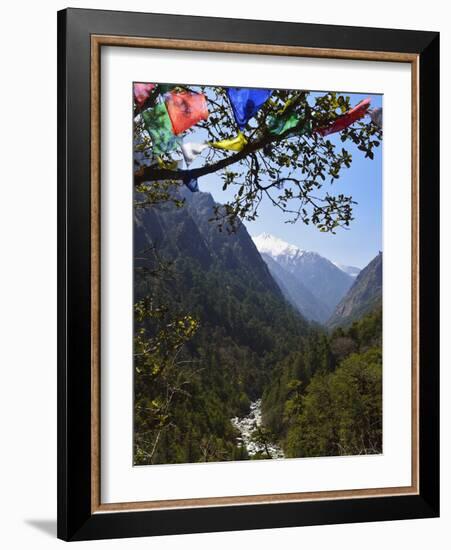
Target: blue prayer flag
(192, 185)
(246, 103)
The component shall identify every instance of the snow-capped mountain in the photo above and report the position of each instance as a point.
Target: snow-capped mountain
(275, 247)
(324, 280)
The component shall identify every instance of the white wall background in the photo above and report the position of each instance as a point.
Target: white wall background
(28, 274)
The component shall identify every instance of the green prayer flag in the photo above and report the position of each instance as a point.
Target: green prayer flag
(164, 88)
(159, 126)
(278, 125)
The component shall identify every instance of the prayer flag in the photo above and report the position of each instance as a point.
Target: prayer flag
(164, 88)
(246, 102)
(278, 125)
(186, 109)
(236, 144)
(192, 150)
(193, 185)
(158, 125)
(347, 119)
(141, 92)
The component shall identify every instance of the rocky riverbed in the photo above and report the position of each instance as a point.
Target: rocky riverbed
(247, 425)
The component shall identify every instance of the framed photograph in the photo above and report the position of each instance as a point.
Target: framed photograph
(248, 274)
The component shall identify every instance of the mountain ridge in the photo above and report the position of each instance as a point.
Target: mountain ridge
(364, 296)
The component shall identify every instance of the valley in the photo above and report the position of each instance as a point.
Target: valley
(251, 351)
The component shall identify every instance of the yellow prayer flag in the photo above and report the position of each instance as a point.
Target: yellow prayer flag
(236, 144)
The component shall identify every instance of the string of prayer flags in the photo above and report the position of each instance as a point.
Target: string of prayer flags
(376, 116)
(235, 144)
(347, 119)
(159, 126)
(246, 102)
(186, 109)
(192, 150)
(141, 92)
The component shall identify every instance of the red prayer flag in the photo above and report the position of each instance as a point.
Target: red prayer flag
(141, 91)
(186, 109)
(347, 119)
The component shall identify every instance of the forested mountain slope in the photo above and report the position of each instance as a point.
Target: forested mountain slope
(326, 400)
(244, 326)
(364, 295)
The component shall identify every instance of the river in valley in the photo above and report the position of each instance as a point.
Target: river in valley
(247, 425)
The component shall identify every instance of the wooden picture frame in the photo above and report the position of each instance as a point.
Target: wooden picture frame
(81, 35)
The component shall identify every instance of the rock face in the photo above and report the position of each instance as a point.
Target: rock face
(364, 295)
(314, 284)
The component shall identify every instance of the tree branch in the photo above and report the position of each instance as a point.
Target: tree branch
(149, 173)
